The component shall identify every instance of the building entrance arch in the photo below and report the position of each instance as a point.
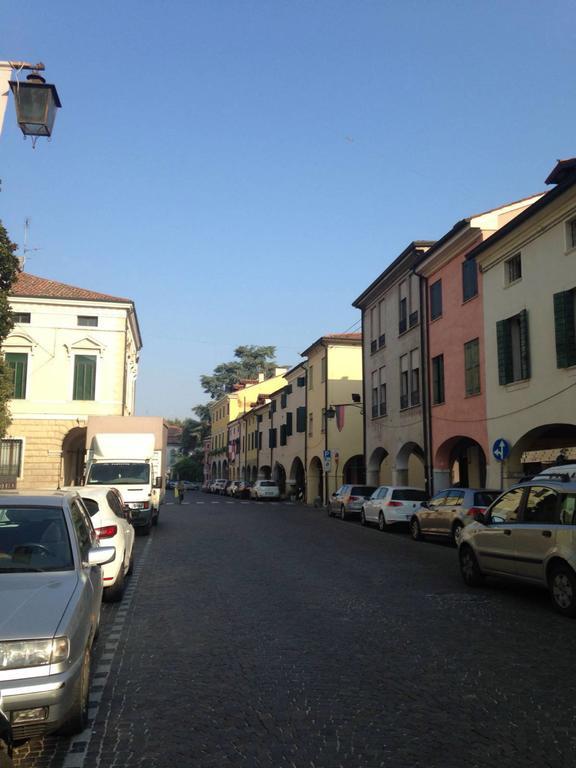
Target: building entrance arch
(354, 471)
(265, 472)
(315, 485)
(460, 461)
(541, 447)
(279, 475)
(73, 452)
(409, 469)
(379, 471)
(297, 477)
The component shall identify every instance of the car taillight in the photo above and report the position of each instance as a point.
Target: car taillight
(107, 531)
(394, 504)
(475, 511)
(353, 498)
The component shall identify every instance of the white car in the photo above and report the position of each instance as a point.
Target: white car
(392, 504)
(111, 521)
(265, 489)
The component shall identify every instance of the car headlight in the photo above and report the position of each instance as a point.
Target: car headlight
(15, 654)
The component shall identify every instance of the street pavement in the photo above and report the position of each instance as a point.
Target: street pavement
(268, 635)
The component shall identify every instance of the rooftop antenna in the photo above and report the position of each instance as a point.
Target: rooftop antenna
(25, 249)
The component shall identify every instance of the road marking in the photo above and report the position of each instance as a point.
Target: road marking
(78, 747)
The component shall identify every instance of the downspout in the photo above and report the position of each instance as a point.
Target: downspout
(245, 421)
(426, 402)
(306, 433)
(365, 407)
(326, 420)
(270, 439)
(125, 377)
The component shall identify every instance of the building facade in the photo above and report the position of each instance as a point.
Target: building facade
(73, 353)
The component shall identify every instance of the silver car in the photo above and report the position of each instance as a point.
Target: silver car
(349, 500)
(527, 535)
(50, 593)
(449, 511)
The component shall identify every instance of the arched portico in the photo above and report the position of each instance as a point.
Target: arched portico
(279, 475)
(541, 447)
(409, 469)
(315, 484)
(354, 471)
(265, 472)
(459, 461)
(297, 477)
(73, 450)
(214, 471)
(379, 470)
(254, 474)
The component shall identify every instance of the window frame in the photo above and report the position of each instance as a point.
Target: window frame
(23, 360)
(469, 280)
(75, 380)
(81, 321)
(438, 383)
(472, 370)
(436, 308)
(511, 266)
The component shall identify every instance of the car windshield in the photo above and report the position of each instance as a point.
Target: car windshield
(34, 539)
(362, 490)
(485, 498)
(119, 474)
(409, 494)
(268, 484)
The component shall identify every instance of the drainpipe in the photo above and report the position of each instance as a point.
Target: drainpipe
(125, 378)
(306, 433)
(326, 420)
(245, 421)
(270, 439)
(426, 400)
(365, 408)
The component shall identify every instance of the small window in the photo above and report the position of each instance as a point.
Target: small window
(404, 401)
(90, 320)
(374, 394)
(310, 425)
(565, 328)
(571, 234)
(382, 406)
(469, 279)
(18, 365)
(513, 269)
(21, 317)
(472, 367)
(567, 509)
(10, 458)
(436, 300)
(438, 379)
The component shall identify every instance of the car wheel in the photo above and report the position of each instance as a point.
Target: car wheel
(562, 585)
(415, 530)
(342, 512)
(381, 521)
(469, 567)
(362, 517)
(457, 529)
(114, 593)
(78, 719)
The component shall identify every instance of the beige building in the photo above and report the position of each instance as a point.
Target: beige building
(393, 334)
(529, 302)
(334, 414)
(73, 353)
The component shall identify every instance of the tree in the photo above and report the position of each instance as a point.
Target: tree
(8, 272)
(250, 361)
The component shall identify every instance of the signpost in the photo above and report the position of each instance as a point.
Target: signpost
(327, 460)
(501, 451)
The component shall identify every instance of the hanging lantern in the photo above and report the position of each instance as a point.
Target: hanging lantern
(36, 105)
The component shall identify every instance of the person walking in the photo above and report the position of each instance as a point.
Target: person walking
(180, 491)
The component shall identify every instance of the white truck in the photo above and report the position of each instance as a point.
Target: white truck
(131, 461)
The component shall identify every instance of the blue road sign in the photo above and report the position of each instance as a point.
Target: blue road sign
(501, 449)
(327, 455)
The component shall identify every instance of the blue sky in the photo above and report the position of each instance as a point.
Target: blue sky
(244, 169)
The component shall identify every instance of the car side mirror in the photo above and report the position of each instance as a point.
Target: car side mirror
(101, 555)
(480, 517)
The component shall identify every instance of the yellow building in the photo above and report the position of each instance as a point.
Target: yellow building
(73, 353)
(334, 415)
(228, 408)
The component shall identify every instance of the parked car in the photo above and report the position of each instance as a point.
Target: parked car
(232, 487)
(206, 487)
(50, 593)
(527, 535)
(391, 504)
(243, 490)
(265, 489)
(190, 485)
(218, 486)
(349, 500)
(111, 521)
(449, 511)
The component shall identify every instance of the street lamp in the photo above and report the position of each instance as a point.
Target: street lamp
(36, 100)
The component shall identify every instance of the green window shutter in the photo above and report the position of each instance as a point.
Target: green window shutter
(288, 424)
(564, 324)
(84, 377)
(524, 345)
(18, 363)
(301, 419)
(504, 340)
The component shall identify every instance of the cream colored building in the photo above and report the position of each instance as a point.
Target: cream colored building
(73, 353)
(333, 375)
(529, 295)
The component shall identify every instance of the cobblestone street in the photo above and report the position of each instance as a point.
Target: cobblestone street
(268, 635)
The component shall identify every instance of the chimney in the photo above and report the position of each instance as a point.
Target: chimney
(260, 378)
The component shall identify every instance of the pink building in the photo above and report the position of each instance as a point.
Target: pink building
(457, 426)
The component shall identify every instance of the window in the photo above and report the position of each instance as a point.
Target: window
(565, 327)
(283, 400)
(438, 379)
(323, 369)
(301, 381)
(21, 317)
(382, 391)
(571, 234)
(403, 307)
(11, 458)
(90, 320)
(18, 365)
(454, 498)
(272, 437)
(567, 508)
(374, 394)
(436, 300)
(283, 434)
(541, 506)
(506, 511)
(84, 377)
(415, 377)
(310, 425)
(83, 528)
(404, 382)
(301, 419)
(472, 367)
(513, 348)
(382, 326)
(311, 377)
(259, 441)
(513, 269)
(288, 424)
(469, 279)
(273, 406)
(373, 330)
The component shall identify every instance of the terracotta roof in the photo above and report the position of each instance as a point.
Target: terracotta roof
(39, 287)
(343, 336)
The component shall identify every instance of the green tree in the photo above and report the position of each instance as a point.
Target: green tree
(8, 273)
(189, 467)
(250, 361)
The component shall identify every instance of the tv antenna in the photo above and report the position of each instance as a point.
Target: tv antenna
(25, 249)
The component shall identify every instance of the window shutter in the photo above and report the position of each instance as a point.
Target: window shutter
(289, 424)
(283, 434)
(504, 340)
(301, 419)
(565, 329)
(301, 381)
(524, 345)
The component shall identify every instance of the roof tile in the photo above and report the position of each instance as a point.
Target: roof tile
(27, 285)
